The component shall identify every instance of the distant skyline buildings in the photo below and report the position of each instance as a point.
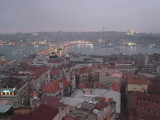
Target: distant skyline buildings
(79, 16)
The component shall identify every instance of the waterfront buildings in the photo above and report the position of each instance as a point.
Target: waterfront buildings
(91, 88)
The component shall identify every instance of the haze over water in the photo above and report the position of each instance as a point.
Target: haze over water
(7, 51)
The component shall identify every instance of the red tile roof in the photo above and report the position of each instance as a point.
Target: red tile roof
(52, 101)
(116, 86)
(84, 70)
(99, 85)
(42, 112)
(37, 71)
(13, 81)
(137, 80)
(67, 117)
(150, 106)
(115, 74)
(107, 99)
(34, 93)
(59, 60)
(102, 104)
(142, 114)
(55, 72)
(53, 87)
(127, 75)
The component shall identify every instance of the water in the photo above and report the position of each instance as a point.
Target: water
(7, 51)
(10, 52)
(127, 50)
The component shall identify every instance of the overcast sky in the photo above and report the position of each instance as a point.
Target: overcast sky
(79, 15)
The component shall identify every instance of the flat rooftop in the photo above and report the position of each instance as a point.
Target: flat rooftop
(78, 96)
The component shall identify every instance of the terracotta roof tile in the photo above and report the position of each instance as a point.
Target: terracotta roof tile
(37, 70)
(84, 70)
(53, 87)
(149, 105)
(55, 72)
(138, 80)
(116, 86)
(59, 60)
(142, 114)
(52, 101)
(101, 105)
(34, 93)
(42, 112)
(13, 81)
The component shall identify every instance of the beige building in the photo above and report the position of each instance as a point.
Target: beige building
(137, 83)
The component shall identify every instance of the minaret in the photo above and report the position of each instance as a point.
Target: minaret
(66, 68)
(69, 73)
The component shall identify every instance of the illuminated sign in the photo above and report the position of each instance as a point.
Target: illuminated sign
(6, 91)
(14, 89)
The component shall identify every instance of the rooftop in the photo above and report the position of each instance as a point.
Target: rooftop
(84, 70)
(55, 72)
(42, 112)
(52, 87)
(36, 71)
(138, 80)
(106, 93)
(52, 101)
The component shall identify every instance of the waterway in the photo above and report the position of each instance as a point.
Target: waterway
(11, 52)
(23, 51)
(126, 50)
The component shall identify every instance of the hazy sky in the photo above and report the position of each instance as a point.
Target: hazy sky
(79, 15)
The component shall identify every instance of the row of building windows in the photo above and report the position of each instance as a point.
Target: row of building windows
(149, 100)
(7, 93)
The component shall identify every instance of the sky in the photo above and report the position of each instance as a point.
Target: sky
(79, 15)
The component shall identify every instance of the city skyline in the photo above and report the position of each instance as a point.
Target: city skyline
(79, 16)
